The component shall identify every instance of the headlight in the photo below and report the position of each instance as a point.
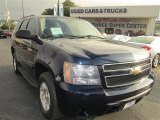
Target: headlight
(81, 74)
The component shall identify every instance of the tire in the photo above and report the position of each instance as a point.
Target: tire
(47, 97)
(155, 61)
(15, 65)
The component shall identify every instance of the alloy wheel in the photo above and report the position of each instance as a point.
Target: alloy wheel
(45, 96)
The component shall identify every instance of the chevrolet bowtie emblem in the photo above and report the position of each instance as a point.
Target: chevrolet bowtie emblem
(135, 70)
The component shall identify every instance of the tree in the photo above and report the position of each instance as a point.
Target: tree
(67, 5)
(6, 25)
(48, 11)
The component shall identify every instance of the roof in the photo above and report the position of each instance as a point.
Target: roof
(41, 16)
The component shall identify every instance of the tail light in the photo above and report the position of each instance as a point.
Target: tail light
(147, 48)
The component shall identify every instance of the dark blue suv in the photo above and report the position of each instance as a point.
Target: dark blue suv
(76, 70)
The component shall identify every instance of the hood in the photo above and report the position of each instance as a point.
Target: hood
(103, 51)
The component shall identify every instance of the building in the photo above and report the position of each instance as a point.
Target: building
(128, 20)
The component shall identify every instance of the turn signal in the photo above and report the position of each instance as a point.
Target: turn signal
(67, 72)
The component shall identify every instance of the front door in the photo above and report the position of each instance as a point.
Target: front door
(20, 45)
(30, 52)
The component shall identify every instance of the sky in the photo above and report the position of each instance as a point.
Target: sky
(36, 7)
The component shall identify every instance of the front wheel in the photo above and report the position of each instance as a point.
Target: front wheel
(47, 97)
(155, 61)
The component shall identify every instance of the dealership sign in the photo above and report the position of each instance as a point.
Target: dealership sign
(99, 10)
(151, 11)
(120, 25)
(117, 23)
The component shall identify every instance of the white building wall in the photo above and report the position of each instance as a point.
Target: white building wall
(136, 26)
(151, 26)
(142, 15)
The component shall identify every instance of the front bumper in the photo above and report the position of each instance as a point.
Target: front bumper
(95, 100)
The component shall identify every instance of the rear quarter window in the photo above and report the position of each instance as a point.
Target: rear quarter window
(24, 25)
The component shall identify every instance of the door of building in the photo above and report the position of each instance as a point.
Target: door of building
(109, 30)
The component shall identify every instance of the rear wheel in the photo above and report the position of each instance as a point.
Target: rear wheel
(15, 65)
(155, 61)
(47, 97)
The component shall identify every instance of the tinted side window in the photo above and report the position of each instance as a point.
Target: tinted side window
(32, 27)
(24, 25)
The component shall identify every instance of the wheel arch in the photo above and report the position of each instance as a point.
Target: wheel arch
(41, 67)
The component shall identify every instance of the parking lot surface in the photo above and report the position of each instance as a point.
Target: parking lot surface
(19, 101)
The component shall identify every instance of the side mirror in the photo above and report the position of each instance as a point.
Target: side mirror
(25, 34)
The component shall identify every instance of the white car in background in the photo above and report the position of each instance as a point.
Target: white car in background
(151, 44)
(122, 38)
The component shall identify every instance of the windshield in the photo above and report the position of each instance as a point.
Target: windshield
(52, 27)
(146, 40)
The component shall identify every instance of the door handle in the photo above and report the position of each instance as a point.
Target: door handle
(29, 49)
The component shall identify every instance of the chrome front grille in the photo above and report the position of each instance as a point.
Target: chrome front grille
(122, 74)
(119, 66)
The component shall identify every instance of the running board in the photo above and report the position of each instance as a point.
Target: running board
(28, 77)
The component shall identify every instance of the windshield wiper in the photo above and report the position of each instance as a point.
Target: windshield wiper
(55, 36)
(72, 36)
(92, 36)
(63, 36)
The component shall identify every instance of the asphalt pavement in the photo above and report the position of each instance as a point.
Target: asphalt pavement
(19, 101)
